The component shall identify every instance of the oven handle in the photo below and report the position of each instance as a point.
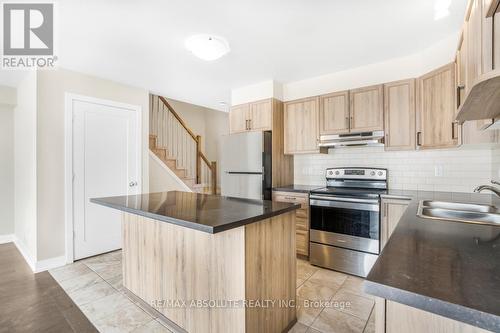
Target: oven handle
(333, 198)
(357, 205)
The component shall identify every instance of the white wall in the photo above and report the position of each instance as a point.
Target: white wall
(162, 179)
(256, 92)
(462, 168)
(6, 169)
(495, 164)
(410, 66)
(52, 86)
(25, 174)
(8, 96)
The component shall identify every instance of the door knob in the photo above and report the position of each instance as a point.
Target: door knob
(132, 184)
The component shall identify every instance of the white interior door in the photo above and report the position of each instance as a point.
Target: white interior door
(106, 162)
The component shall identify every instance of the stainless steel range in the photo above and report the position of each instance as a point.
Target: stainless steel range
(345, 220)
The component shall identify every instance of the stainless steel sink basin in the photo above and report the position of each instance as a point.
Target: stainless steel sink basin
(459, 206)
(459, 212)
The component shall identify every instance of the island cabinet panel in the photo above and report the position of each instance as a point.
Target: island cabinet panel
(271, 273)
(367, 109)
(163, 263)
(334, 113)
(302, 126)
(399, 115)
(403, 318)
(436, 108)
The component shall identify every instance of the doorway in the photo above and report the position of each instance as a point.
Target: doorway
(103, 159)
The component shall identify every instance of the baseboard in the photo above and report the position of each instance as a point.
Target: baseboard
(45, 265)
(4, 239)
(38, 266)
(25, 253)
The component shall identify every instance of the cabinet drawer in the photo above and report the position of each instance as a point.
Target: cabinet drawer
(302, 224)
(302, 242)
(291, 197)
(302, 213)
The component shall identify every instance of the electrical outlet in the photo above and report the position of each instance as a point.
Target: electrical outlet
(438, 170)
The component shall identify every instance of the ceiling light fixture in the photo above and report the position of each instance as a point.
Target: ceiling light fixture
(441, 9)
(207, 47)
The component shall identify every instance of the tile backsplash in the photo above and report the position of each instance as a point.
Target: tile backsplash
(458, 170)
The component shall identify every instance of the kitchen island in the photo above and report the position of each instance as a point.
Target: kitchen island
(208, 263)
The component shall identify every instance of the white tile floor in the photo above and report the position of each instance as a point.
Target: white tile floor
(95, 285)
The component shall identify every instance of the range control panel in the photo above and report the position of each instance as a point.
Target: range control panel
(356, 173)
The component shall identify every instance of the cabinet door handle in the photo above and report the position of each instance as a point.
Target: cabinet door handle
(290, 198)
(347, 122)
(249, 124)
(453, 130)
(352, 122)
(246, 125)
(419, 135)
(459, 89)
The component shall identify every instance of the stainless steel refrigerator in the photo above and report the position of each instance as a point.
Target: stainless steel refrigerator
(246, 164)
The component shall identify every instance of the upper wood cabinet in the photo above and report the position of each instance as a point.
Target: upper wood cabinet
(301, 126)
(238, 118)
(260, 118)
(436, 126)
(399, 115)
(473, 35)
(367, 109)
(334, 113)
(255, 116)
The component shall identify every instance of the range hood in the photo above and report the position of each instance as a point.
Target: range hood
(375, 138)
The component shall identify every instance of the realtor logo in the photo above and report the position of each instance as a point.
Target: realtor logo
(28, 35)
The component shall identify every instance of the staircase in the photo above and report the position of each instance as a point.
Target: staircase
(172, 141)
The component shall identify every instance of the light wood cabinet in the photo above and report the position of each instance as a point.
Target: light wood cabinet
(436, 108)
(334, 113)
(404, 318)
(367, 109)
(399, 115)
(238, 118)
(301, 218)
(260, 118)
(392, 211)
(474, 43)
(255, 116)
(301, 126)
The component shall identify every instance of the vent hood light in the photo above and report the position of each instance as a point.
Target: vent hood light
(207, 47)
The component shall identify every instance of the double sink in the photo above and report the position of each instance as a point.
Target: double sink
(459, 212)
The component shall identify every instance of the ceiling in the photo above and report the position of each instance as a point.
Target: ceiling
(141, 43)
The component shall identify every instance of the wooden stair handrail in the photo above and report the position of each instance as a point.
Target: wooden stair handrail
(199, 154)
(171, 109)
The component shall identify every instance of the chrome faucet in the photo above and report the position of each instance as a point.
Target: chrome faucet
(493, 189)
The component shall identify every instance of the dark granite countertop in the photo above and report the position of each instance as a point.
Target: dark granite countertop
(208, 213)
(297, 188)
(444, 267)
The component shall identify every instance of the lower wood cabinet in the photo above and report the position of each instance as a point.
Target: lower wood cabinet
(392, 211)
(301, 218)
(404, 318)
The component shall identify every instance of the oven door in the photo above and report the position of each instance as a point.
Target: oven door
(346, 222)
